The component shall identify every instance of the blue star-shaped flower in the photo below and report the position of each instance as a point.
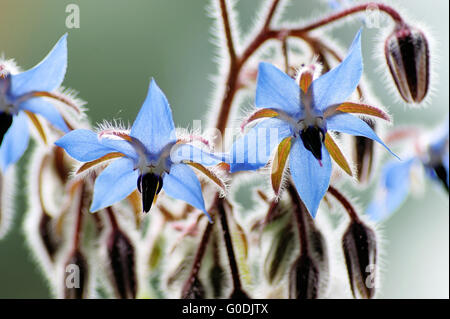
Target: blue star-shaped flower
(297, 116)
(21, 97)
(149, 158)
(395, 181)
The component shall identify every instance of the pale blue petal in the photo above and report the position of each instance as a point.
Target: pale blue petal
(350, 124)
(15, 141)
(182, 183)
(187, 152)
(310, 179)
(84, 146)
(392, 189)
(338, 84)
(154, 125)
(253, 150)
(116, 182)
(47, 110)
(277, 90)
(47, 75)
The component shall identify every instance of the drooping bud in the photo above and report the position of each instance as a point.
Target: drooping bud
(309, 274)
(76, 276)
(121, 255)
(363, 154)
(195, 291)
(304, 279)
(360, 250)
(407, 55)
(149, 185)
(281, 247)
(47, 234)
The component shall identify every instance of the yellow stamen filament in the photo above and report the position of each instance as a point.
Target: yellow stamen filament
(258, 115)
(34, 119)
(349, 107)
(58, 97)
(279, 162)
(107, 157)
(336, 154)
(208, 173)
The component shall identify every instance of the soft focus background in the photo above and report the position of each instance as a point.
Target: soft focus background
(121, 44)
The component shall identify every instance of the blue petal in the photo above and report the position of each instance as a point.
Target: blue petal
(337, 85)
(350, 124)
(84, 146)
(187, 152)
(253, 150)
(154, 125)
(116, 182)
(310, 179)
(47, 110)
(277, 90)
(392, 189)
(182, 183)
(47, 75)
(15, 141)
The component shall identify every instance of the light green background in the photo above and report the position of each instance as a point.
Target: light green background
(121, 44)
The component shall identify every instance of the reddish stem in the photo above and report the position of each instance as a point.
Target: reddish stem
(344, 202)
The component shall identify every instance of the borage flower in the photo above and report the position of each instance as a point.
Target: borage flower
(431, 154)
(301, 113)
(22, 97)
(149, 157)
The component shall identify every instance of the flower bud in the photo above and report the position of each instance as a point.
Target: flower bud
(122, 258)
(47, 234)
(407, 55)
(76, 273)
(360, 250)
(195, 290)
(304, 279)
(363, 155)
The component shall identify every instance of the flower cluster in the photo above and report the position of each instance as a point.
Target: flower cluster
(281, 246)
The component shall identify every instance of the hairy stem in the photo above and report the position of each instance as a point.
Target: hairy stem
(300, 213)
(344, 202)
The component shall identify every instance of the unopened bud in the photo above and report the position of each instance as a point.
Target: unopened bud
(304, 279)
(363, 155)
(76, 274)
(195, 290)
(407, 55)
(122, 258)
(360, 250)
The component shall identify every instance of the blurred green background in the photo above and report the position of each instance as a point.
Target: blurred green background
(121, 44)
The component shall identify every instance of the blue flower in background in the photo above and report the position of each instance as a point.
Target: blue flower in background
(148, 157)
(21, 97)
(396, 177)
(301, 112)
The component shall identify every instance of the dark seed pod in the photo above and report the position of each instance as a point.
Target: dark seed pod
(407, 55)
(76, 275)
(304, 279)
(122, 262)
(360, 250)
